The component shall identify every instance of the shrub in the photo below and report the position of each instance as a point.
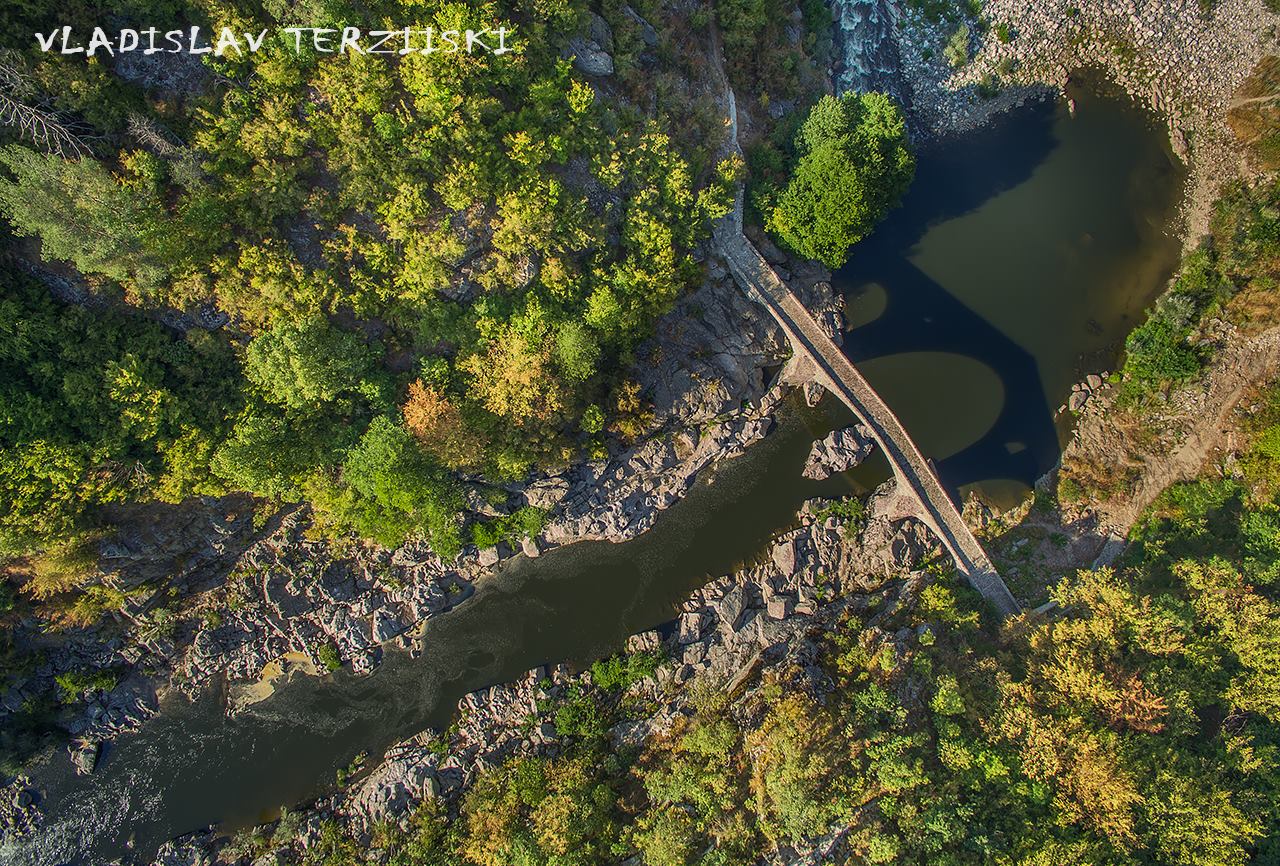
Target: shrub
(956, 50)
(327, 655)
(617, 673)
(61, 569)
(73, 684)
(580, 716)
(947, 700)
(526, 522)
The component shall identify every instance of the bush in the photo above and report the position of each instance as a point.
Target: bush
(61, 569)
(327, 655)
(947, 700)
(581, 716)
(957, 48)
(1158, 353)
(526, 522)
(73, 684)
(617, 673)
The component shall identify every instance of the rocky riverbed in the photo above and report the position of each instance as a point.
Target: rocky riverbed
(727, 634)
(221, 594)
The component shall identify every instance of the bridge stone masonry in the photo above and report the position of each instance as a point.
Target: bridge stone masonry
(835, 372)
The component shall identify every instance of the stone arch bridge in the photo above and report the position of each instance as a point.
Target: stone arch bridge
(921, 494)
(817, 358)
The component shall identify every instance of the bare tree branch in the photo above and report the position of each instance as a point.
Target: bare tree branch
(154, 136)
(42, 127)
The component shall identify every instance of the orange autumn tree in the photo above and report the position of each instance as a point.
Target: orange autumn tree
(438, 426)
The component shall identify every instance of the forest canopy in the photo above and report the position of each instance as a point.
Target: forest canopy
(389, 286)
(372, 282)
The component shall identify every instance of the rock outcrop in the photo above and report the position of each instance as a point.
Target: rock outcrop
(726, 634)
(293, 595)
(19, 809)
(840, 451)
(591, 52)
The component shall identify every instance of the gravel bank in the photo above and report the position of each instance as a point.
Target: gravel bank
(1168, 55)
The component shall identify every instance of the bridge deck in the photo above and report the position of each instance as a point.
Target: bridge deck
(842, 378)
(838, 374)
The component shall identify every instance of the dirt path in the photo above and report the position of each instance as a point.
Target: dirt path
(1243, 365)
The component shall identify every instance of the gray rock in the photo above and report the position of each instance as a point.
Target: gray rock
(691, 624)
(600, 32)
(694, 654)
(188, 854)
(645, 641)
(84, 756)
(840, 451)
(780, 607)
(731, 608)
(784, 557)
(589, 57)
(405, 777)
(488, 557)
(385, 627)
(546, 494)
(647, 33)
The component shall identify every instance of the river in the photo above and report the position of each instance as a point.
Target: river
(1020, 259)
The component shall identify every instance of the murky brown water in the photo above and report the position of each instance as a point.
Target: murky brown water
(1019, 261)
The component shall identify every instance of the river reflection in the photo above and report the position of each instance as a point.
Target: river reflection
(1030, 247)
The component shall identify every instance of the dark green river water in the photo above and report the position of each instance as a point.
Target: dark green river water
(1020, 259)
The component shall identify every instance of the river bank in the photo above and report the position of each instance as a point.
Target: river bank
(1182, 62)
(730, 635)
(238, 599)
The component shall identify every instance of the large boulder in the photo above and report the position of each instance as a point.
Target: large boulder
(406, 776)
(590, 53)
(547, 493)
(84, 756)
(730, 609)
(840, 451)
(785, 557)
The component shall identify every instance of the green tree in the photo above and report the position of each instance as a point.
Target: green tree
(83, 214)
(853, 166)
(576, 352)
(388, 489)
(310, 363)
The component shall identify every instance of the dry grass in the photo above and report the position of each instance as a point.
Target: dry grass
(1254, 114)
(1111, 467)
(1255, 308)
